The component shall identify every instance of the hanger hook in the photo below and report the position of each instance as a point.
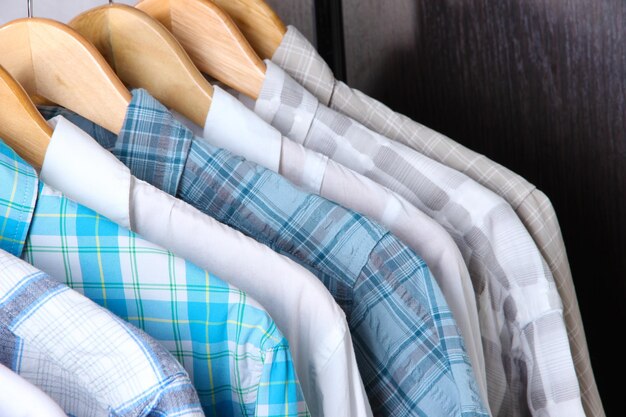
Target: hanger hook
(30, 8)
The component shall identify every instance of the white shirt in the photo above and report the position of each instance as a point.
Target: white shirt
(20, 398)
(303, 309)
(232, 126)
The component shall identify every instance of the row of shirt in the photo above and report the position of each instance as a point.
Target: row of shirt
(307, 253)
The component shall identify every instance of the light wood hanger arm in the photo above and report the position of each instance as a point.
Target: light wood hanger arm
(258, 22)
(53, 61)
(21, 125)
(212, 40)
(145, 55)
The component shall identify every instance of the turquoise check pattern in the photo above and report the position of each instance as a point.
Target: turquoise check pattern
(16, 200)
(47, 337)
(410, 354)
(238, 360)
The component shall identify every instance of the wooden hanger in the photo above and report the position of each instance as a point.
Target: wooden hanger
(144, 54)
(212, 40)
(21, 125)
(51, 60)
(258, 22)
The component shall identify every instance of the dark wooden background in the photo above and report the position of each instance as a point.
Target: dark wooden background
(537, 85)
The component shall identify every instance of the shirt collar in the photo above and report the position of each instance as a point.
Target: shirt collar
(300, 59)
(152, 143)
(76, 165)
(232, 126)
(285, 104)
(18, 195)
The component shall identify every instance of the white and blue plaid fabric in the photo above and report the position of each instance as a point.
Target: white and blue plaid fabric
(410, 354)
(238, 360)
(86, 359)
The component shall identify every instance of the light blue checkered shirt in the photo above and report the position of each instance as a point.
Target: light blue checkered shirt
(238, 360)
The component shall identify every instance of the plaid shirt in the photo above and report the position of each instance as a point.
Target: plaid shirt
(47, 337)
(302, 61)
(527, 355)
(238, 360)
(411, 357)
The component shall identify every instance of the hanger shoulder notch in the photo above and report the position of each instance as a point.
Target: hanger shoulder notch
(213, 42)
(72, 74)
(258, 22)
(21, 125)
(145, 55)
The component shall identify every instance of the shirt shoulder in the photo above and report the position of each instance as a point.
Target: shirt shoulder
(266, 206)
(51, 327)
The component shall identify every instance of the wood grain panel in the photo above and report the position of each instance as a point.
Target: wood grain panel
(538, 86)
(299, 13)
(380, 43)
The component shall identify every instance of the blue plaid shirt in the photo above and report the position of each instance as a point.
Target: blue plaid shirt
(238, 360)
(410, 354)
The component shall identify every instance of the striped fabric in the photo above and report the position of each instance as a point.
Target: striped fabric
(48, 336)
(17, 199)
(529, 363)
(300, 59)
(411, 357)
(238, 360)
